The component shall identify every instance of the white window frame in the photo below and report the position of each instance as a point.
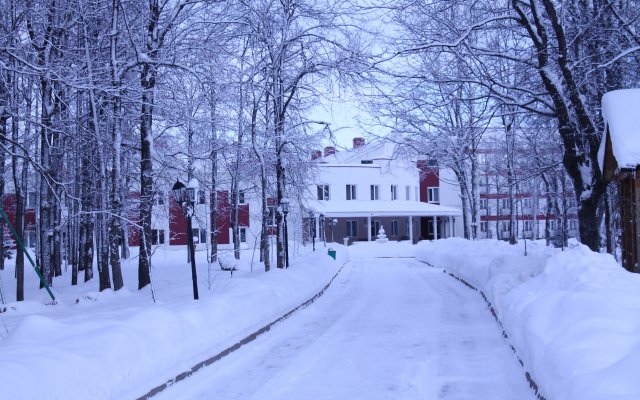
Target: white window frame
(352, 228)
(351, 192)
(242, 197)
(323, 192)
(202, 197)
(375, 192)
(394, 192)
(394, 227)
(32, 198)
(484, 226)
(527, 226)
(159, 237)
(407, 192)
(433, 194)
(484, 204)
(242, 234)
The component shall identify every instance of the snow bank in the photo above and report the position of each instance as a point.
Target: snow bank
(620, 113)
(124, 349)
(573, 316)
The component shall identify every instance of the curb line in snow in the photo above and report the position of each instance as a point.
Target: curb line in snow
(532, 383)
(250, 338)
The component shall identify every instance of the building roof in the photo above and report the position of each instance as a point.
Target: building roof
(380, 208)
(621, 114)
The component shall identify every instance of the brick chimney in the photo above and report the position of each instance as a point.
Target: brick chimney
(329, 150)
(358, 142)
(316, 154)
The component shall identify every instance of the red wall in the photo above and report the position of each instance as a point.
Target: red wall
(429, 177)
(9, 206)
(224, 216)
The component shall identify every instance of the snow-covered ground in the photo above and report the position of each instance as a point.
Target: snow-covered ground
(387, 329)
(108, 345)
(573, 316)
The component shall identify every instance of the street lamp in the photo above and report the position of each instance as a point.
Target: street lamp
(332, 224)
(312, 223)
(322, 230)
(185, 196)
(284, 206)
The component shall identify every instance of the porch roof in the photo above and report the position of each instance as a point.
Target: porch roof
(380, 208)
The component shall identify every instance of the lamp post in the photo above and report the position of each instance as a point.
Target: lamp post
(185, 196)
(332, 224)
(322, 230)
(284, 206)
(312, 216)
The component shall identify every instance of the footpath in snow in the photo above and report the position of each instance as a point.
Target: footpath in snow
(573, 316)
(108, 345)
(388, 328)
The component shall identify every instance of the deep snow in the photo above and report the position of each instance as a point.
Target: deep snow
(573, 315)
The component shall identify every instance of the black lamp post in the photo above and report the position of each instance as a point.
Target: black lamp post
(185, 196)
(284, 206)
(332, 225)
(312, 216)
(323, 235)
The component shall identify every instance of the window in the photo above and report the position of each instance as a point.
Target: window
(352, 228)
(272, 216)
(351, 192)
(484, 204)
(394, 228)
(505, 204)
(366, 162)
(202, 198)
(505, 226)
(243, 235)
(199, 235)
(30, 238)
(407, 193)
(323, 192)
(433, 195)
(552, 224)
(526, 203)
(528, 226)
(573, 224)
(157, 236)
(394, 192)
(31, 200)
(417, 194)
(375, 192)
(375, 227)
(241, 197)
(158, 198)
(484, 226)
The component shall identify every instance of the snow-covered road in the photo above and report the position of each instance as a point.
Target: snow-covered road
(386, 329)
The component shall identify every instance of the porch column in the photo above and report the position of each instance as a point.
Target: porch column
(317, 226)
(411, 229)
(451, 227)
(369, 228)
(435, 228)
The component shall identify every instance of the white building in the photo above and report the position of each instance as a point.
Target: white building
(357, 191)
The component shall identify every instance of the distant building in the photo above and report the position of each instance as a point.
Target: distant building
(358, 190)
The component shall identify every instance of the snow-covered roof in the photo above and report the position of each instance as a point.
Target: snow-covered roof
(380, 208)
(380, 150)
(621, 114)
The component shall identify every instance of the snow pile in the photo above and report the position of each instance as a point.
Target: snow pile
(114, 345)
(573, 316)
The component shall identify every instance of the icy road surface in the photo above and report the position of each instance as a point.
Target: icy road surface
(386, 329)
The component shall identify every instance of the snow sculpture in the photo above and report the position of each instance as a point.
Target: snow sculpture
(382, 236)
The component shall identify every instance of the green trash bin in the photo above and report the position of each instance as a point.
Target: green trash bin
(332, 254)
